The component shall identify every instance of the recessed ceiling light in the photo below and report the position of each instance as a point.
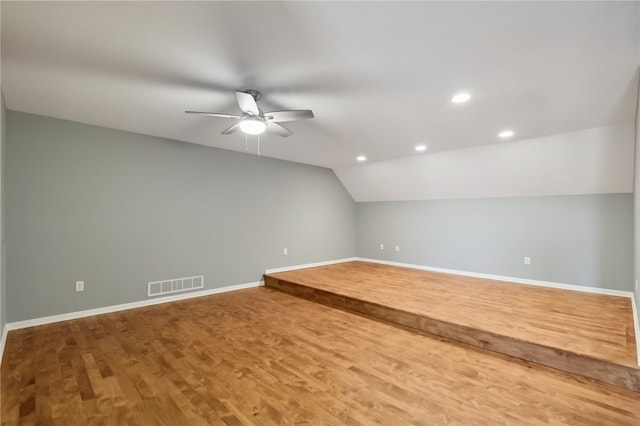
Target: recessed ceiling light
(506, 134)
(361, 158)
(421, 148)
(461, 97)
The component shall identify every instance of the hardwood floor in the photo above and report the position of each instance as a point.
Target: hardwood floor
(261, 357)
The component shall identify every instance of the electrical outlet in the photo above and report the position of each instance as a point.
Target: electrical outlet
(527, 260)
(397, 249)
(285, 251)
(79, 285)
(381, 246)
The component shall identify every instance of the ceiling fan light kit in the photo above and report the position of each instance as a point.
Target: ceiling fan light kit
(253, 125)
(253, 121)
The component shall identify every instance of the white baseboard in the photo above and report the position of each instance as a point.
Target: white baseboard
(115, 308)
(605, 291)
(3, 341)
(309, 265)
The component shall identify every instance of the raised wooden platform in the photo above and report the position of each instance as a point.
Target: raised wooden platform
(582, 333)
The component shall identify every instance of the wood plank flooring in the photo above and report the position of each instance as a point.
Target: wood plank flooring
(261, 357)
(578, 332)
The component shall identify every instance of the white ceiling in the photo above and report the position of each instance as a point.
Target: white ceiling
(378, 75)
(592, 161)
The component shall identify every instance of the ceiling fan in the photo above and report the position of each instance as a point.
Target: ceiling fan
(253, 121)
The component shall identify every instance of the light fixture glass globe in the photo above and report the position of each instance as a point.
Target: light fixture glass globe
(253, 126)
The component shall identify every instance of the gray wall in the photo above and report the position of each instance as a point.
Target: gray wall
(3, 234)
(584, 240)
(117, 210)
(636, 196)
(636, 204)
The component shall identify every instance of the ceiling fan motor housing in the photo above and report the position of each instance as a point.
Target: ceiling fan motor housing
(257, 95)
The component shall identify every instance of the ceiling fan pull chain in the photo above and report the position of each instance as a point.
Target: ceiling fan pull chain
(258, 145)
(246, 142)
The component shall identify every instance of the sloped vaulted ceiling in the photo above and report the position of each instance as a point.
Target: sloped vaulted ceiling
(379, 77)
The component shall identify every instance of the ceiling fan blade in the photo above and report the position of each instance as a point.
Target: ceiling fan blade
(247, 104)
(231, 129)
(213, 114)
(291, 115)
(279, 129)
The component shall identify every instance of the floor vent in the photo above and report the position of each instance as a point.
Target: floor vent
(158, 288)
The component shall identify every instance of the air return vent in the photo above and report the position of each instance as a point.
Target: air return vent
(177, 285)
